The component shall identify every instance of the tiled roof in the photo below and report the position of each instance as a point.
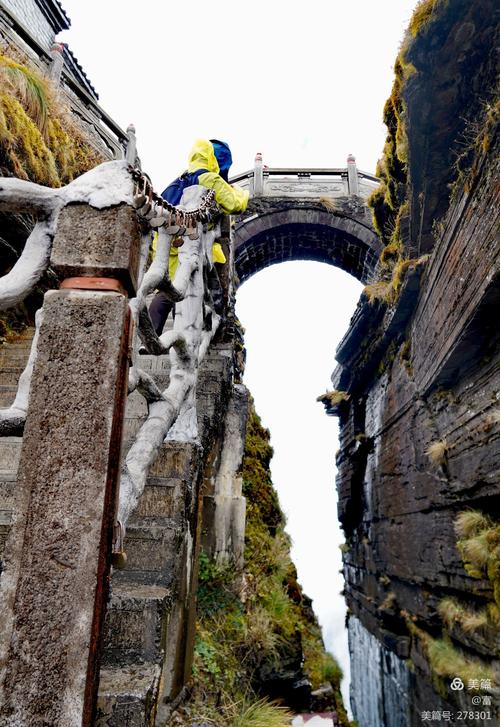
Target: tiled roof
(53, 11)
(71, 62)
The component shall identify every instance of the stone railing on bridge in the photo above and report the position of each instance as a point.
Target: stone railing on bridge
(95, 234)
(305, 183)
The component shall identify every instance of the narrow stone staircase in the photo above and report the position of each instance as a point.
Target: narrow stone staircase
(149, 623)
(148, 628)
(13, 359)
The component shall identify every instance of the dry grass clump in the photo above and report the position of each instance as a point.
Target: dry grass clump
(388, 603)
(381, 290)
(329, 203)
(262, 714)
(421, 16)
(479, 546)
(334, 398)
(471, 522)
(39, 139)
(387, 291)
(455, 613)
(437, 451)
(448, 661)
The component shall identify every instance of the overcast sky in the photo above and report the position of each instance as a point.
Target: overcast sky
(304, 83)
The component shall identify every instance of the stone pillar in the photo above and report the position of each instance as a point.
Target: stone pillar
(57, 62)
(352, 175)
(258, 176)
(57, 558)
(224, 509)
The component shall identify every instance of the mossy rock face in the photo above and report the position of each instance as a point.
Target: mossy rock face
(257, 635)
(442, 113)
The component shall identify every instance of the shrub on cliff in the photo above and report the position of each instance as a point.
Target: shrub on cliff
(39, 142)
(257, 636)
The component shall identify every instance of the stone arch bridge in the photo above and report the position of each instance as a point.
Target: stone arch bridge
(182, 415)
(307, 214)
(420, 372)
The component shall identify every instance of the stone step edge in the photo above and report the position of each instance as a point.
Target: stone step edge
(132, 591)
(137, 682)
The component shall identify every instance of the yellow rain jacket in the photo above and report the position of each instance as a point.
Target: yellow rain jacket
(173, 259)
(230, 199)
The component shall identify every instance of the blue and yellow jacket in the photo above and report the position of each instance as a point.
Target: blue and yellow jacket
(203, 168)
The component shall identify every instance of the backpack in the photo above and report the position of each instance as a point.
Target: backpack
(173, 192)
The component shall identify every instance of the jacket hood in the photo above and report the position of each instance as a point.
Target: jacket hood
(202, 156)
(222, 154)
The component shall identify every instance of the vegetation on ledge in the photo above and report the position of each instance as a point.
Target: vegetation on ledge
(259, 652)
(438, 128)
(39, 139)
(39, 142)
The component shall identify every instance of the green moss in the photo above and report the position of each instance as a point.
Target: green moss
(39, 140)
(479, 546)
(448, 661)
(250, 622)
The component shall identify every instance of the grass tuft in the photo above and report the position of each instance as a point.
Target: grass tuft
(448, 661)
(471, 522)
(262, 714)
(421, 17)
(455, 613)
(437, 451)
(39, 138)
(329, 203)
(380, 291)
(334, 398)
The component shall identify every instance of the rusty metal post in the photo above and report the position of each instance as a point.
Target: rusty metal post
(58, 554)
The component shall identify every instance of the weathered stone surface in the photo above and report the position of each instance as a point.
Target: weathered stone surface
(103, 243)
(276, 230)
(135, 626)
(127, 696)
(434, 379)
(67, 476)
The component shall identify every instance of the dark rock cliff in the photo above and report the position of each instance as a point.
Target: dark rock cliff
(418, 465)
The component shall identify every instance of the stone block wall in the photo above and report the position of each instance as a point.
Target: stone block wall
(34, 20)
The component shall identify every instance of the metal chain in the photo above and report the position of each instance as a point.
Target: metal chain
(152, 206)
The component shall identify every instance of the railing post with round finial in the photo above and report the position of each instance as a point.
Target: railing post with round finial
(258, 176)
(352, 175)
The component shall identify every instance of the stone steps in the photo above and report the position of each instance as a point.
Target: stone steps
(127, 695)
(151, 554)
(145, 594)
(134, 631)
(13, 359)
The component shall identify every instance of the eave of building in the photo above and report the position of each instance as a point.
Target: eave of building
(72, 64)
(55, 14)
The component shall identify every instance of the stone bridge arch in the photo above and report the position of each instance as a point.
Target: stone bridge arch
(278, 230)
(307, 214)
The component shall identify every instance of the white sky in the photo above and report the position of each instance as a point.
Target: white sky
(304, 83)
